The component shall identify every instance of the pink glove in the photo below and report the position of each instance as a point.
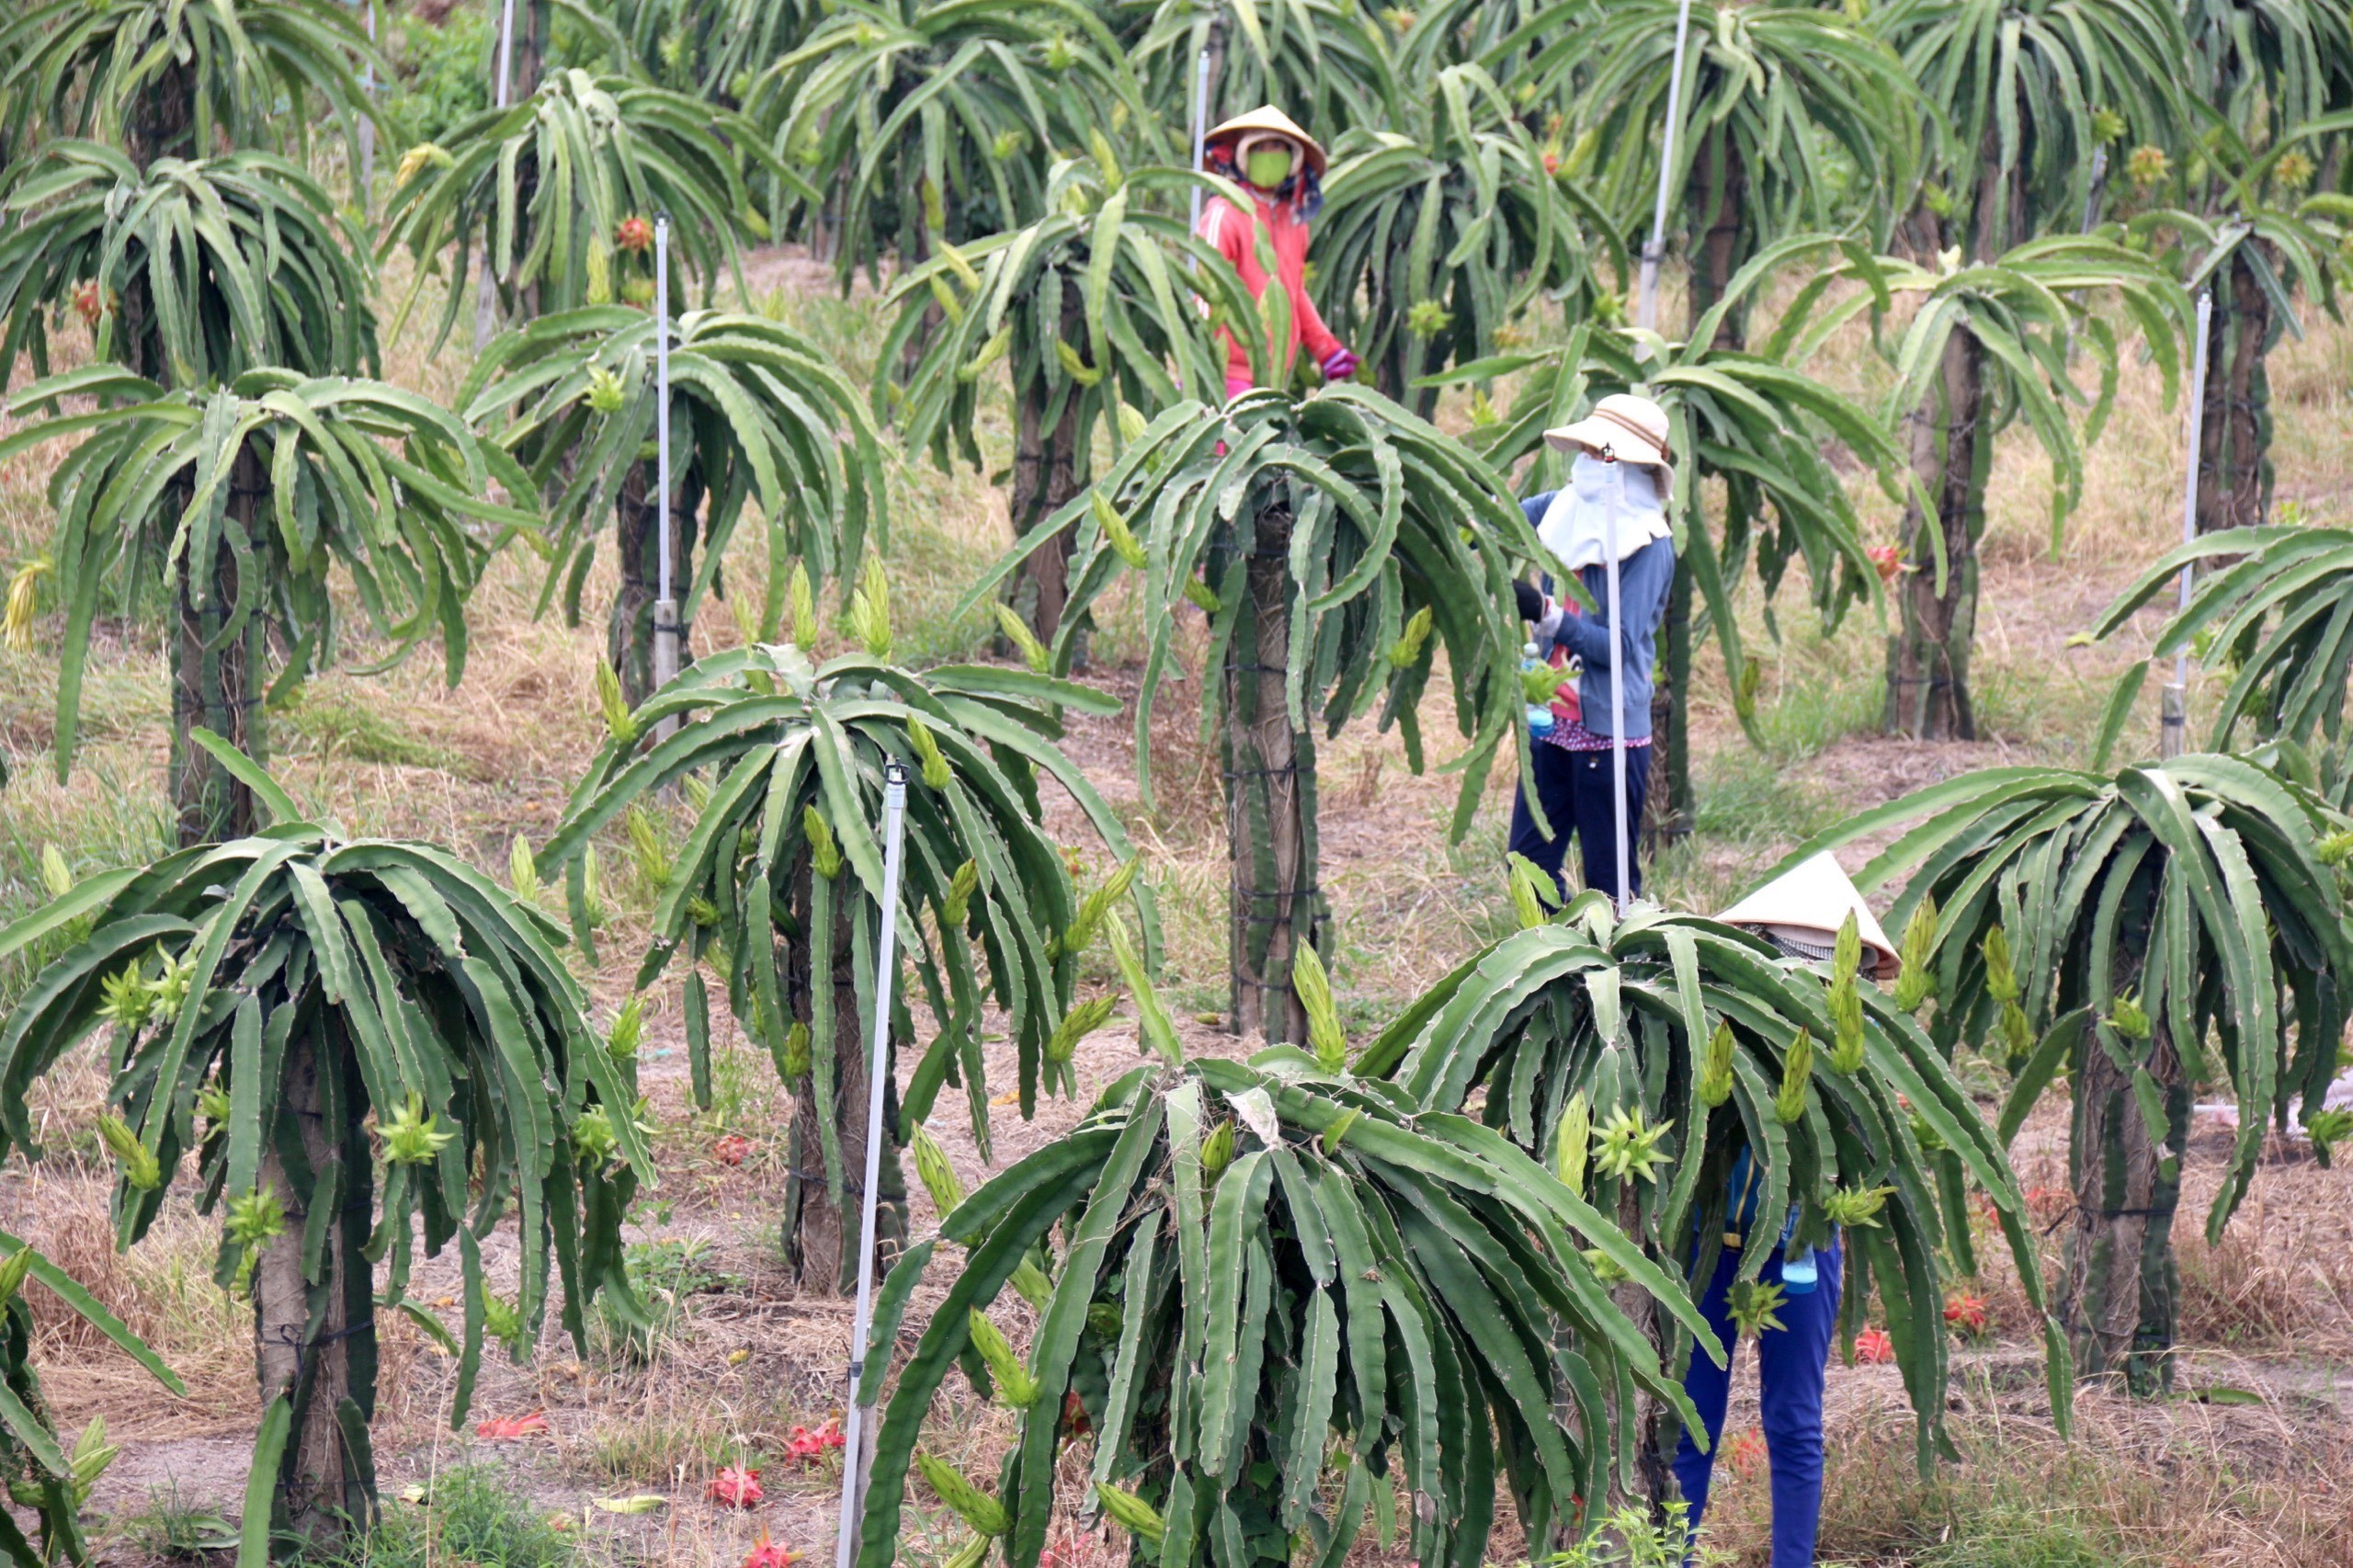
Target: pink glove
(1340, 366)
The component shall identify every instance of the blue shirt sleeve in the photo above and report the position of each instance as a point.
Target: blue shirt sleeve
(1643, 581)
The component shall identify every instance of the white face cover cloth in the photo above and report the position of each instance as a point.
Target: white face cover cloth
(1576, 523)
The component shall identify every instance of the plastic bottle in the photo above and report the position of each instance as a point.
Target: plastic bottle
(1798, 1274)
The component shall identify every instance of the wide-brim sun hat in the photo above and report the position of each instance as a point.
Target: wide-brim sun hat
(1803, 908)
(1631, 430)
(1271, 120)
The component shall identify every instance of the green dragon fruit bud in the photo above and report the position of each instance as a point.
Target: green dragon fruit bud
(936, 772)
(1715, 1067)
(1313, 988)
(1916, 985)
(1407, 649)
(2001, 980)
(1797, 1080)
(1014, 1383)
(1574, 1142)
(1017, 632)
(140, 1168)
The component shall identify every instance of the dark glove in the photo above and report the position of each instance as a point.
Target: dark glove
(1530, 602)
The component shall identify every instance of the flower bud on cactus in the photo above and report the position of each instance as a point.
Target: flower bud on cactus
(796, 1051)
(1797, 1080)
(1014, 1383)
(936, 772)
(1715, 1068)
(1216, 1150)
(1080, 934)
(1850, 1206)
(1417, 631)
(1199, 594)
(869, 608)
(620, 723)
(979, 1511)
(937, 1176)
(1117, 534)
(1916, 984)
(1313, 988)
(12, 1272)
(1077, 1025)
(1017, 632)
(1131, 1513)
(2127, 1017)
(605, 393)
(1574, 1142)
(628, 1031)
(140, 1168)
(634, 234)
(959, 902)
(2001, 979)
(825, 853)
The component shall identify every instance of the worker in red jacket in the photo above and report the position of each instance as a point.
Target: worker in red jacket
(1281, 166)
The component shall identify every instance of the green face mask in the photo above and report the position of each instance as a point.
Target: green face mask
(1266, 166)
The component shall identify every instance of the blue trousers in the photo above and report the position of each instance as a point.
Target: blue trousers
(1577, 793)
(1791, 1363)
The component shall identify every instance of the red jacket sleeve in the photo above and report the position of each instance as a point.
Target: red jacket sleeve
(1227, 229)
(1317, 338)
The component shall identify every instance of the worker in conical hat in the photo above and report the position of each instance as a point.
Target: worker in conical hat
(1282, 167)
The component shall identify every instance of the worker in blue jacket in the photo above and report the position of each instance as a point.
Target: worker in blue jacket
(1623, 463)
(1792, 1362)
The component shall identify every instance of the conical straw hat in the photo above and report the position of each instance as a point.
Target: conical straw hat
(1808, 903)
(1267, 117)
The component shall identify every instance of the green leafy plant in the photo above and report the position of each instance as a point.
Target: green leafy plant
(559, 192)
(759, 415)
(1693, 1041)
(1989, 343)
(188, 272)
(162, 78)
(1440, 231)
(1092, 313)
(785, 860)
(905, 125)
(1330, 62)
(323, 983)
(242, 499)
(2174, 925)
(37, 1472)
(1265, 1344)
(1319, 527)
(2264, 611)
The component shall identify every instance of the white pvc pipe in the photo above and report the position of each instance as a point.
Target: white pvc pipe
(662, 388)
(1201, 129)
(486, 300)
(1622, 896)
(1646, 306)
(366, 122)
(2172, 737)
(854, 1476)
(666, 601)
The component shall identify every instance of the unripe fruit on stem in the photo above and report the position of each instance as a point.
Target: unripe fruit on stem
(1715, 1069)
(1797, 1080)
(1014, 1383)
(939, 1176)
(1131, 1513)
(1574, 1142)
(976, 1508)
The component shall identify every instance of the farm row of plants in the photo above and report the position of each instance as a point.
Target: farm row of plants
(1273, 1295)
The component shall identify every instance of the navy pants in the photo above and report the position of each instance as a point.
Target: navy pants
(1574, 788)
(1791, 1362)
